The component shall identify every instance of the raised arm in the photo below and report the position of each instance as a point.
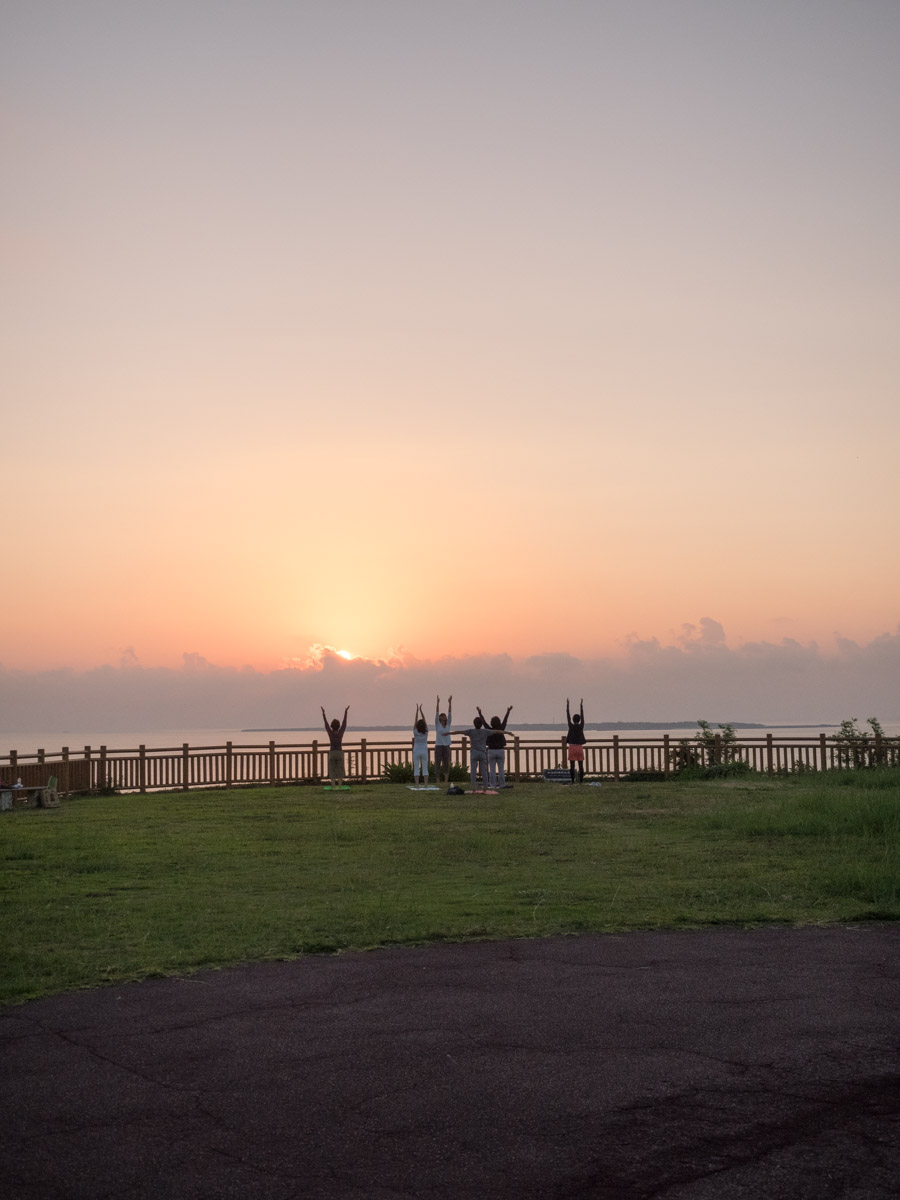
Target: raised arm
(568, 714)
(344, 722)
(325, 720)
(581, 710)
(506, 718)
(480, 713)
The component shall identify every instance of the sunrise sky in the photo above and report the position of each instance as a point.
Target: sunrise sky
(422, 329)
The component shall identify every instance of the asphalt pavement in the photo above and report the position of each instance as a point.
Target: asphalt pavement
(717, 1064)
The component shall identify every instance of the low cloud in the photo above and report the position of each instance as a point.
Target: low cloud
(699, 675)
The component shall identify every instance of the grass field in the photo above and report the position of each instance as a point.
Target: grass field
(123, 887)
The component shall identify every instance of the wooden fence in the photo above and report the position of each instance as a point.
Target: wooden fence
(143, 769)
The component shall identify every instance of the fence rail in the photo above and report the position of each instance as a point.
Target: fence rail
(143, 769)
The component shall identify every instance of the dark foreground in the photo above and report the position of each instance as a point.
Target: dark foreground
(719, 1063)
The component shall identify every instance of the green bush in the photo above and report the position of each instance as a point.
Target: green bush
(866, 747)
(710, 755)
(399, 772)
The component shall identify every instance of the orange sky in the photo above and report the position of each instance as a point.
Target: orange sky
(599, 344)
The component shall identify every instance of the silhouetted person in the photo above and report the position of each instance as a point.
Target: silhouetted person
(496, 750)
(575, 740)
(477, 736)
(420, 747)
(335, 733)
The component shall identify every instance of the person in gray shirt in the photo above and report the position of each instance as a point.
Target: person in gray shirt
(478, 736)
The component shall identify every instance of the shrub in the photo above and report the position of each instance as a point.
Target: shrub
(645, 776)
(685, 755)
(866, 747)
(718, 747)
(398, 772)
(710, 755)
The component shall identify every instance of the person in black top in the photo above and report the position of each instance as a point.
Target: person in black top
(575, 740)
(335, 732)
(496, 750)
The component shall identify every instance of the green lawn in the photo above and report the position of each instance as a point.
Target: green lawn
(122, 887)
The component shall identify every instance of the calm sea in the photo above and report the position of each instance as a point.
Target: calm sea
(77, 739)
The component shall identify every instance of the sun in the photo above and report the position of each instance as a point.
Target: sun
(344, 654)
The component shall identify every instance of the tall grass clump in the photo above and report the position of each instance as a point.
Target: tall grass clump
(846, 822)
(822, 808)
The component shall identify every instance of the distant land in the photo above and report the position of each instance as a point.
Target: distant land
(603, 726)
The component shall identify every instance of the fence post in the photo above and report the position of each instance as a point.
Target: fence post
(90, 768)
(770, 766)
(563, 750)
(41, 757)
(879, 752)
(464, 752)
(228, 765)
(64, 770)
(101, 770)
(615, 756)
(315, 759)
(823, 751)
(185, 766)
(142, 768)
(717, 749)
(13, 765)
(516, 758)
(362, 755)
(272, 763)
(666, 754)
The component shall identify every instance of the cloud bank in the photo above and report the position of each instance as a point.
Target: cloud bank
(698, 675)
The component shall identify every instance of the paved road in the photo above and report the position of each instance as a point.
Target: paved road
(712, 1064)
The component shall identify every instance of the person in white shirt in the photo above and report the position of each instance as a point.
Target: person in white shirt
(442, 736)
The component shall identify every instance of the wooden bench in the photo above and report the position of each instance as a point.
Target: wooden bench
(44, 796)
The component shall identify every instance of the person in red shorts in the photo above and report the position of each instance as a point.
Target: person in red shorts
(575, 740)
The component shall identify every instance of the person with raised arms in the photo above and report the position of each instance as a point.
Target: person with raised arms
(477, 735)
(335, 731)
(420, 748)
(496, 750)
(575, 740)
(442, 736)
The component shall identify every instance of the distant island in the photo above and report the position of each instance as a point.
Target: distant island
(600, 726)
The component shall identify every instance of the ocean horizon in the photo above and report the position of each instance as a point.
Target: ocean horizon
(52, 741)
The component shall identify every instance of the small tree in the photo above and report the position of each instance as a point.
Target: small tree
(710, 755)
(859, 747)
(718, 747)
